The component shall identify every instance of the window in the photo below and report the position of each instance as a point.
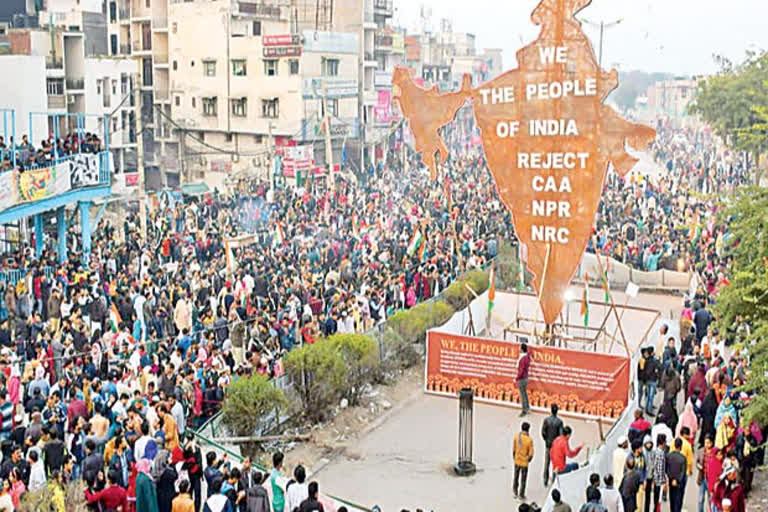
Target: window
(112, 12)
(333, 107)
(270, 109)
(228, 137)
(270, 67)
(174, 27)
(175, 65)
(201, 136)
(209, 68)
(209, 106)
(238, 67)
(293, 64)
(194, 103)
(257, 28)
(258, 139)
(98, 86)
(114, 87)
(240, 107)
(55, 86)
(178, 101)
(330, 67)
(113, 44)
(148, 4)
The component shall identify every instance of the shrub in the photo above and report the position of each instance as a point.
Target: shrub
(250, 401)
(361, 357)
(477, 280)
(71, 498)
(397, 352)
(457, 295)
(319, 377)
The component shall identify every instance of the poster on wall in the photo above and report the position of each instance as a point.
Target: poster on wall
(580, 383)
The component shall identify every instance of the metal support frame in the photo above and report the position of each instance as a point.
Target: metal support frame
(85, 227)
(38, 219)
(8, 112)
(97, 218)
(61, 233)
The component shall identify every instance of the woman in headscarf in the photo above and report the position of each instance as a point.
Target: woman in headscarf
(146, 495)
(688, 419)
(725, 439)
(668, 415)
(164, 475)
(726, 407)
(714, 469)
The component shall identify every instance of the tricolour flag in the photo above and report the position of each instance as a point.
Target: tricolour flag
(606, 283)
(279, 235)
(114, 318)
(585, 301)
(491, 288)
(415, 242)
(423, 252)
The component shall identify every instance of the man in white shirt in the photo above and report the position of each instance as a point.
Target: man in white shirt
(620, 459)
(298, 491)
(177, 411)
(36, 472)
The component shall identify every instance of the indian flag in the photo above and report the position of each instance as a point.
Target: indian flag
(423, 253)
(355, 225)
(521, 270)
(695, 233)
(585, 301)
(491, 288)
(279, 236)
(415, 242)
(606, 284)
(114, 318)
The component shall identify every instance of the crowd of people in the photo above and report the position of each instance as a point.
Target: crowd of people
(697, 440)
(28, 157)
(109, 362)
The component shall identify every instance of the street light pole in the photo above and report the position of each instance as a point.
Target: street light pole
(602, 26)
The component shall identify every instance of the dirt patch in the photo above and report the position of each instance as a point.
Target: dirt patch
(758, 498)
(332, 439)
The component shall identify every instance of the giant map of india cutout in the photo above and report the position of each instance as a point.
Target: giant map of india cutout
(547, 137)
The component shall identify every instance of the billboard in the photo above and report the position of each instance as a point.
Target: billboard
(580, 383)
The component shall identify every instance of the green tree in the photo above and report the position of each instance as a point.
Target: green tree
(731, 102)
(746, 299)
(250, 401)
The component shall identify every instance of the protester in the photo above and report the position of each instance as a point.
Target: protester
(561, 451)
(522, 453)
(551, 429)
(523, 367)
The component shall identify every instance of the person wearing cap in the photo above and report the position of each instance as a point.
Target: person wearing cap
(729, 488)
(620, 458)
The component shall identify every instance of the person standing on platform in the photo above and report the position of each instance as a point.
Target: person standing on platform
(551, 429)
(522, 453)
(523, 366)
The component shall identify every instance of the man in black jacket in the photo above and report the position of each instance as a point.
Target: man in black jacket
(551, 429)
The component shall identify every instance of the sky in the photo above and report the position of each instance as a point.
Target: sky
(674, 36)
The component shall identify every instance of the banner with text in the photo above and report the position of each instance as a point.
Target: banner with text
(583, 383)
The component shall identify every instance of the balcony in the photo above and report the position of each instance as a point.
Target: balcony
(75, 84)
(53, 63)
(160, 24)
(145, 48)
(383, 8)
(57, 101)
(370, 61)
(125, 15)
(125, 49)
(162, 95)
(383, 42)
(160, 60)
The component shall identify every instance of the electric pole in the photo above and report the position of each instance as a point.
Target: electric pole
(602, 26)
(328, 144)
(140, 157)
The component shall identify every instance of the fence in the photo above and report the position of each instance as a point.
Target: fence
(11, 277)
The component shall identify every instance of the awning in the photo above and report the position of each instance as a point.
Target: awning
(195, 189)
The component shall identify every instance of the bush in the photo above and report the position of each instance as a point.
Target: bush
(457, 295)
(319, 377)
(398, 353)
(49, 498)
(361, 357)
(477, 280)
(250, 401)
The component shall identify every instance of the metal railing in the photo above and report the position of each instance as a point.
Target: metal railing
(13, 276)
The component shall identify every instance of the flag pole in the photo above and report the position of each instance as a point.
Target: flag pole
(615, 313)
(540, 290)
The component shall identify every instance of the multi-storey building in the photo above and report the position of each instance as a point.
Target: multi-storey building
(70, 85)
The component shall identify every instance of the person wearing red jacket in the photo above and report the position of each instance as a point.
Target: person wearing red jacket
(561, 451)
(729, 488)
(523, 366)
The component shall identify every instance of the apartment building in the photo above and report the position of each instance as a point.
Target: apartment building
(67, 87)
